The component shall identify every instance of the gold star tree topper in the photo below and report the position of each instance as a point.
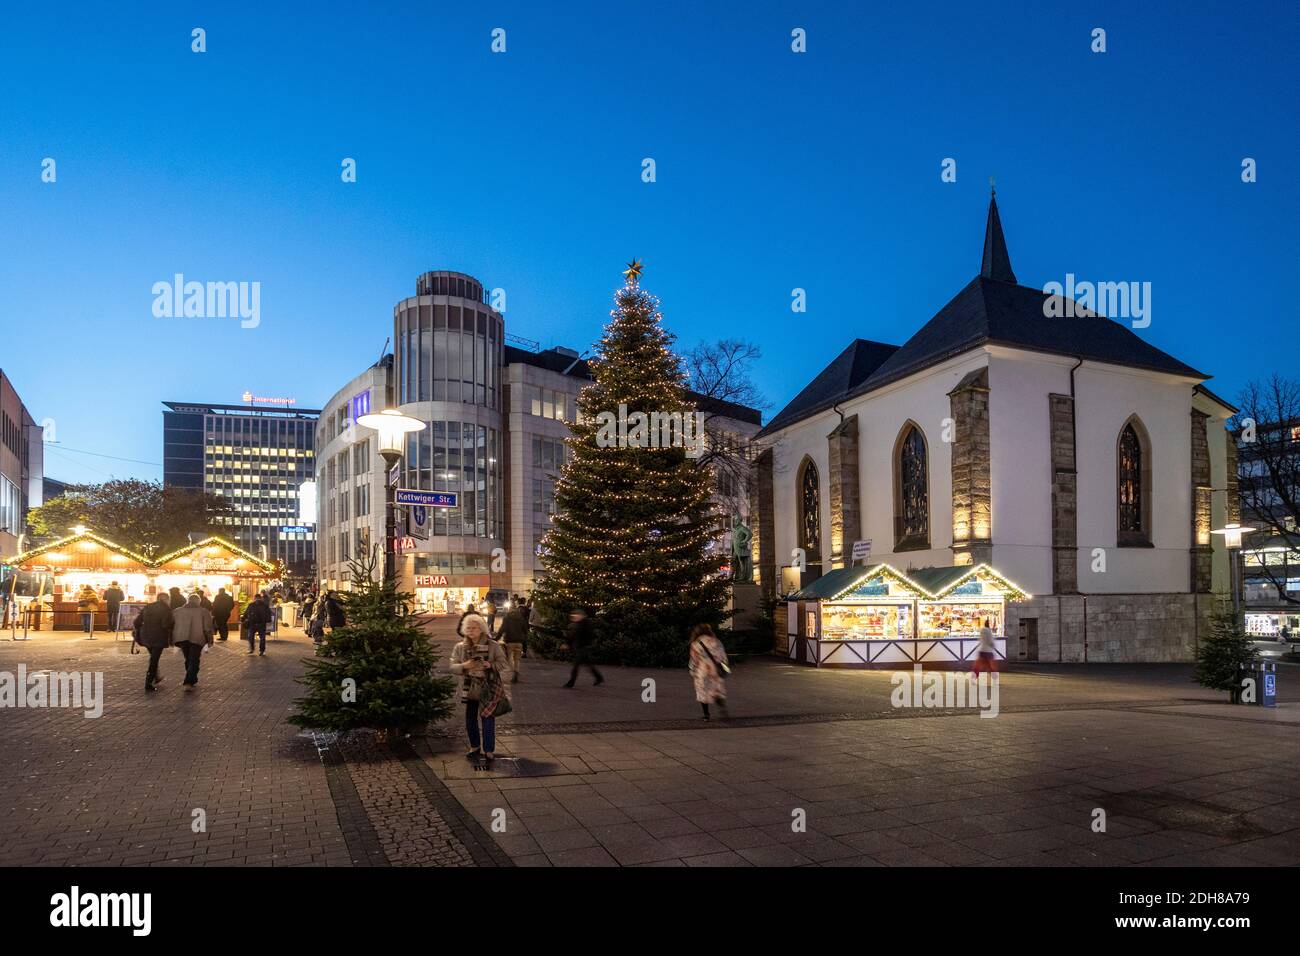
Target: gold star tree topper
(633, 272)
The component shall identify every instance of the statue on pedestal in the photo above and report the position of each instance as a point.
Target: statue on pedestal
(743, 565)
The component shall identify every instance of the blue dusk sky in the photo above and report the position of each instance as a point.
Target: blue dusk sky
(775, 170)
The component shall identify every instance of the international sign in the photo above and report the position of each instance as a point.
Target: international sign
(429, 499)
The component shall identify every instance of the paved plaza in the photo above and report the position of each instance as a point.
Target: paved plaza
(810, 768)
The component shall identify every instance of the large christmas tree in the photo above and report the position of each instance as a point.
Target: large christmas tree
(634, 531)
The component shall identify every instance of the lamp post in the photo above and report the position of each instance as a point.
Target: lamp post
(1232, 533)
(393, 427)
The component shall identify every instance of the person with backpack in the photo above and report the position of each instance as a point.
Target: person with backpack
(708, 668)
(256, 618)
(222, 605)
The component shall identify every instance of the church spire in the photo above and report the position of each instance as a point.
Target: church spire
(997, 263)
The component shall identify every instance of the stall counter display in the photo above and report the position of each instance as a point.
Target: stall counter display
(956, 620)
(842, 622)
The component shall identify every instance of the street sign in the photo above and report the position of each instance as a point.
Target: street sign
(394, 474)
(417, 522)
(862, 550)
(430, 499)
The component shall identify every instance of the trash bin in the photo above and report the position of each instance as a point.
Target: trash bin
(1264, 674)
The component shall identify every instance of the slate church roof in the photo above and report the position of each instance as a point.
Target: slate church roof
(992, 308)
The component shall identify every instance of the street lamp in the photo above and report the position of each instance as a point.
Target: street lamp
(393, 428)
(1232, 532)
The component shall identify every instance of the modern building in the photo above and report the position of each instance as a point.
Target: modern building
(1268, 459)
(496, 416)
(52, 488)
(1068, 454)
(257, 456)
(22, 466)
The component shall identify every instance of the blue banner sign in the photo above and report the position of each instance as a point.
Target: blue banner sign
(429, 499)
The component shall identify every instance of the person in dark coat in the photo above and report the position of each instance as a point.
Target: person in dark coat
(514, 634)
(205, 602)
(222, 605)
(153, 631)
(177, 599)
(580, 636)
(334, 611)
(113, 598)
(256, 618)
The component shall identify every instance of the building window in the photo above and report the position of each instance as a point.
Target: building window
(810, 511)
(911, 491)
(1133, 485)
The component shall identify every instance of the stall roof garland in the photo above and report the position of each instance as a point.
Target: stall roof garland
(211, 541)
(936, 583)
(73, 539)
(214, 541)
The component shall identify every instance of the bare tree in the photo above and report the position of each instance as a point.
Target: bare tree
(1268, 434)
(721, 371)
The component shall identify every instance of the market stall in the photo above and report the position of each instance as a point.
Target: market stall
(85, 559)
(878, 615)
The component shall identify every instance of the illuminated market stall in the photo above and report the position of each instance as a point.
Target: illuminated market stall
(878, 615)
(65, 566)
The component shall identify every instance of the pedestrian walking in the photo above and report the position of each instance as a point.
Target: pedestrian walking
(255, 620)
(579, 637)
(481, 664)
(153, 631)
(514, 634)
(986, 651)
(308, 605)
(177, 599)
(113, 598)
(205, 602)
(87, 605)
(222, 605)
(709, 668)
(192, 633)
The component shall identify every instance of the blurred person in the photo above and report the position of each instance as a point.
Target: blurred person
(708, 668)
(192, 632)
(987, 650)
(177, 599)
(514, 634)
(579, 637)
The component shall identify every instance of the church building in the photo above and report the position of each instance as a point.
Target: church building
(1067, 456)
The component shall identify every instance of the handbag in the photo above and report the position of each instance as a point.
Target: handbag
(718, 666)
(493, 701)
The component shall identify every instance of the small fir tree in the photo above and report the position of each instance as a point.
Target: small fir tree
(387, 657)
(634, 530)
(1224, 655)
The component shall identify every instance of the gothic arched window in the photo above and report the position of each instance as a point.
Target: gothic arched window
(911, 491)
(810, 511)
(1133, 485)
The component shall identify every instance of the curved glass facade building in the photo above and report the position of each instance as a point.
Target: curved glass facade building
(449, 345)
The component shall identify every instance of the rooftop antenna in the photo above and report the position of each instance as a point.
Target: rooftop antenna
(384, 350)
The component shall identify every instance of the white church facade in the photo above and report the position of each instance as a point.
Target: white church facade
(1079, 461)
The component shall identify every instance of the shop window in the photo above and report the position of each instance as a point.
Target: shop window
(1133, 485)
(911, 490)
(810, 511)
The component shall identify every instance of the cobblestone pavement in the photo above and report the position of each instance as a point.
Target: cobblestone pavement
(815, 767)
(127, 788)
